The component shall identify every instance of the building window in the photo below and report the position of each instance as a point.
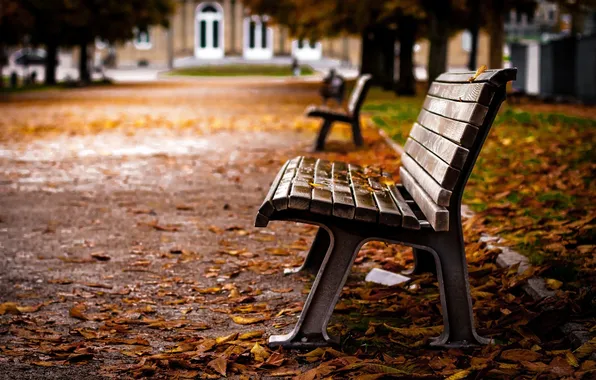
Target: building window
(307, 50)
(209, 31)
(466, 41)
(258, 38)
(142, 39)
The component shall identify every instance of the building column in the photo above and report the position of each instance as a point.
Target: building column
(233, 25)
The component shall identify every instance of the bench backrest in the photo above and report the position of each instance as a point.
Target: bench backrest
(358, 94)
(444, 143)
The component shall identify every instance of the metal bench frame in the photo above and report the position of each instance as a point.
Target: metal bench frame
(439, 248)
(352, 116)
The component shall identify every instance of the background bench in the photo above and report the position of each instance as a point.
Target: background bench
(353, 205)
(352, 116)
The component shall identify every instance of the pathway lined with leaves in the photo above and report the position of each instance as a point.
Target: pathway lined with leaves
(128, 250)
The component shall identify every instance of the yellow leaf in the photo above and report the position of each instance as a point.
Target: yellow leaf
(553, 284)
(479, 71)
(251, 335)
(226, 339)
(506, 141)
(259, 353)
(316, 185)
(459, 375)
(247, 320)
(9, 308)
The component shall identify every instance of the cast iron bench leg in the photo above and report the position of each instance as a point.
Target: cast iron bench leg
(311, 329)
(323, 132)
(456, 302)
(357, 133)
(424, 261)
(316, 255)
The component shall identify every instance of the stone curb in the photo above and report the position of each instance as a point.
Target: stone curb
(535, 286)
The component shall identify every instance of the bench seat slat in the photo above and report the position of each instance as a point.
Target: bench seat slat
(267, 207)
(322, 195)
(437, 216)
(389, 213)
(472, 113)
(435, 192)
(453, 154)
(300, 194)
(444, 174)
(409, 219)
(280, 197)
(473, 92)
(343, 202)
(456, 131)
(366, 208)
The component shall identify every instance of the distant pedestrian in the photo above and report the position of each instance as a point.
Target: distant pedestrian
(295, 67)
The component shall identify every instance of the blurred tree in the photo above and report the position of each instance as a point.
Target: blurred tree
(80, 22)
(494, 14)
(15, 23)
(379, 23)
(578, 10)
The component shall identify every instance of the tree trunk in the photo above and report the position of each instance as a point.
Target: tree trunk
(497, 34)
(51, 63)
(378, 55)
(407, 39)
(84, 74)
(2, 62)
(474, 28)
(439, 39)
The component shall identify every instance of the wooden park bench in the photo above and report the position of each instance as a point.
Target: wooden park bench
(351, 116)
(353, 205)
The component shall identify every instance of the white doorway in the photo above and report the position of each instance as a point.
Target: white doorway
(258, 38)
(209, 31)
(306, 50)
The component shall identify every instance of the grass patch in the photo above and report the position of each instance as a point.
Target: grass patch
(240, 70)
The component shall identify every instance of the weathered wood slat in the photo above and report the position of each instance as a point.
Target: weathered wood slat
(267, 207)
(409, 219)
(300, 193)
(445, 175)
(461, 133)
(389, 213)
(497, 77)
(437, 216)
(435, 192)
(366, 208)
(473, 92)
(453, 154)
(322, 195)
(343, 202)
(472, 113)
(280, 197)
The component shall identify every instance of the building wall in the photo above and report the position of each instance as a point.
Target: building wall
(343, 48)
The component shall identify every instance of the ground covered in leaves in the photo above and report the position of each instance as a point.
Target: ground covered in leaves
(533, 182)
(128, 251)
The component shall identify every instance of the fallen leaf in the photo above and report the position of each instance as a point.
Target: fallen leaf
(247, 320)
(259, 353)
(219, 365)
(100, 256)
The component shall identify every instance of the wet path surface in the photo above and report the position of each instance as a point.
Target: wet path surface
(121, 239)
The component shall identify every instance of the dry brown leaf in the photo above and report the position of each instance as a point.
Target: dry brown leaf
(78, 311)
(219, 365)
(100, 256)
(519, 355)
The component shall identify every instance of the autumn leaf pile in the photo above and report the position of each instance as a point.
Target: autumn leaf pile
(157, 272)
